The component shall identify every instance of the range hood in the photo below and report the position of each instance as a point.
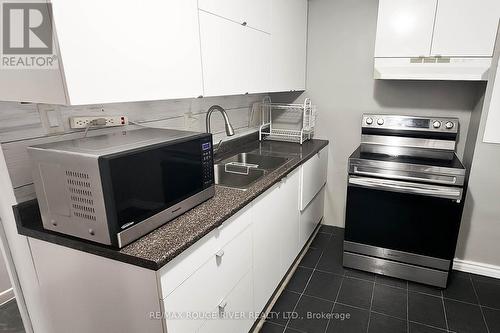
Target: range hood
(432, 68)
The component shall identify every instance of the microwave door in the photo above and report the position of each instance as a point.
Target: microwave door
(148, 182)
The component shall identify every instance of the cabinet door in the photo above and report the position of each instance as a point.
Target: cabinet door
(314, 173)
(266, 246)
(466, 28)
(125, 50)
(234, 57)
(289, 38)
(223, 271)
(310, 217)
(404, 28)
(239, 301)
(255, 13)
(288, 201)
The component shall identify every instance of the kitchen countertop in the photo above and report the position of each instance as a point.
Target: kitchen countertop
(157, 248)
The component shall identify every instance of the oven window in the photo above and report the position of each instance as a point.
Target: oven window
(145, 183)
(405, 222)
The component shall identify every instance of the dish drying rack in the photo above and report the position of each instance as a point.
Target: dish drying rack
(287, 122)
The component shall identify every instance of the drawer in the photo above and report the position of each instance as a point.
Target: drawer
(207, 287)
(313, 174)
(311, 215)
(233, 314)
(189, 261)
(256, 13)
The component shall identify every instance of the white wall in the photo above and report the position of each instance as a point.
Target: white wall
(341, 38)
(479, 245)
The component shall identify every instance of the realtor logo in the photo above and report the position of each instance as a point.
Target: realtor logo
(27, 28)
(27, 39)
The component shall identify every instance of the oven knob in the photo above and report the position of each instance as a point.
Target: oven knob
(436, 124)
(380, 121)
(449, 125)
(369, 121)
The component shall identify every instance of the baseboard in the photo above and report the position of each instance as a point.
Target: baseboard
(6, 296)
(477, 268)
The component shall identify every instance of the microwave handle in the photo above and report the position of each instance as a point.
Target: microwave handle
(407, 187)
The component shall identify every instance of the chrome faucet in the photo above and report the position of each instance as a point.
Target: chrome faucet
(229, 128)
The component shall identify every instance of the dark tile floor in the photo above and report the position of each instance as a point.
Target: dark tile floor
(323, 297)
(10, 318)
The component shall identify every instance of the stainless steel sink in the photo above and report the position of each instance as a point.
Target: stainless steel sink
(242, 170)
(264, 162)
(236, 177)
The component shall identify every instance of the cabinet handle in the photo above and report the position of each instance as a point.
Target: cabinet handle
(219, 253)
(244, 23)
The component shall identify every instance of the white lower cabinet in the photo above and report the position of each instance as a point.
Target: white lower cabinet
(203, 291)
(288, 219)
(276, 237)
(220, 282)
(233, 314)
(311, 216)
(266, 246)
(313, 174)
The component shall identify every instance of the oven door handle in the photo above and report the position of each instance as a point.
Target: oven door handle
(407, 187)
(451, 180)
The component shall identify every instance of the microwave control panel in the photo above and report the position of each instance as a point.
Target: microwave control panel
(207, 163)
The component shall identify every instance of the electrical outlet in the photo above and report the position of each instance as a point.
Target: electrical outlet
(111, 121)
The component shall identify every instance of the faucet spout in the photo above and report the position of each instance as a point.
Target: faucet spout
(227, 124)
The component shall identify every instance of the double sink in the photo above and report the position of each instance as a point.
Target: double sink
(242, 170)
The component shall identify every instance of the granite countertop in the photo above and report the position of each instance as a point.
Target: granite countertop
(157, 248)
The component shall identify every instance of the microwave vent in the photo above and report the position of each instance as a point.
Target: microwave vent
(82, 202)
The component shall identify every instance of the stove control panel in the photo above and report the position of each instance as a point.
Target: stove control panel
(410, 123)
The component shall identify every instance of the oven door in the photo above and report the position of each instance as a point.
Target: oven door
(414, 218)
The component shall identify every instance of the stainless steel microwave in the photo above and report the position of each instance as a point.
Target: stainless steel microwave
(114, 188)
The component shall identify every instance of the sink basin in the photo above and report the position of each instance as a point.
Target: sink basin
(264, 162)
(236, 177)
(242, 170)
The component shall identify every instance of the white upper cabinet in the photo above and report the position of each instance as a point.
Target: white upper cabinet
(404, 28)
(253, 13)
(289, 39)
(435, 39)
(234, 57)
(465, 28)
(125, 50)
(115, 51)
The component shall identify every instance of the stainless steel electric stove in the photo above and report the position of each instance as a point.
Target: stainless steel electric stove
(404, 198)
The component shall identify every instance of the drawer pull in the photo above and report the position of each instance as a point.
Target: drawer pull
(219, 253)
